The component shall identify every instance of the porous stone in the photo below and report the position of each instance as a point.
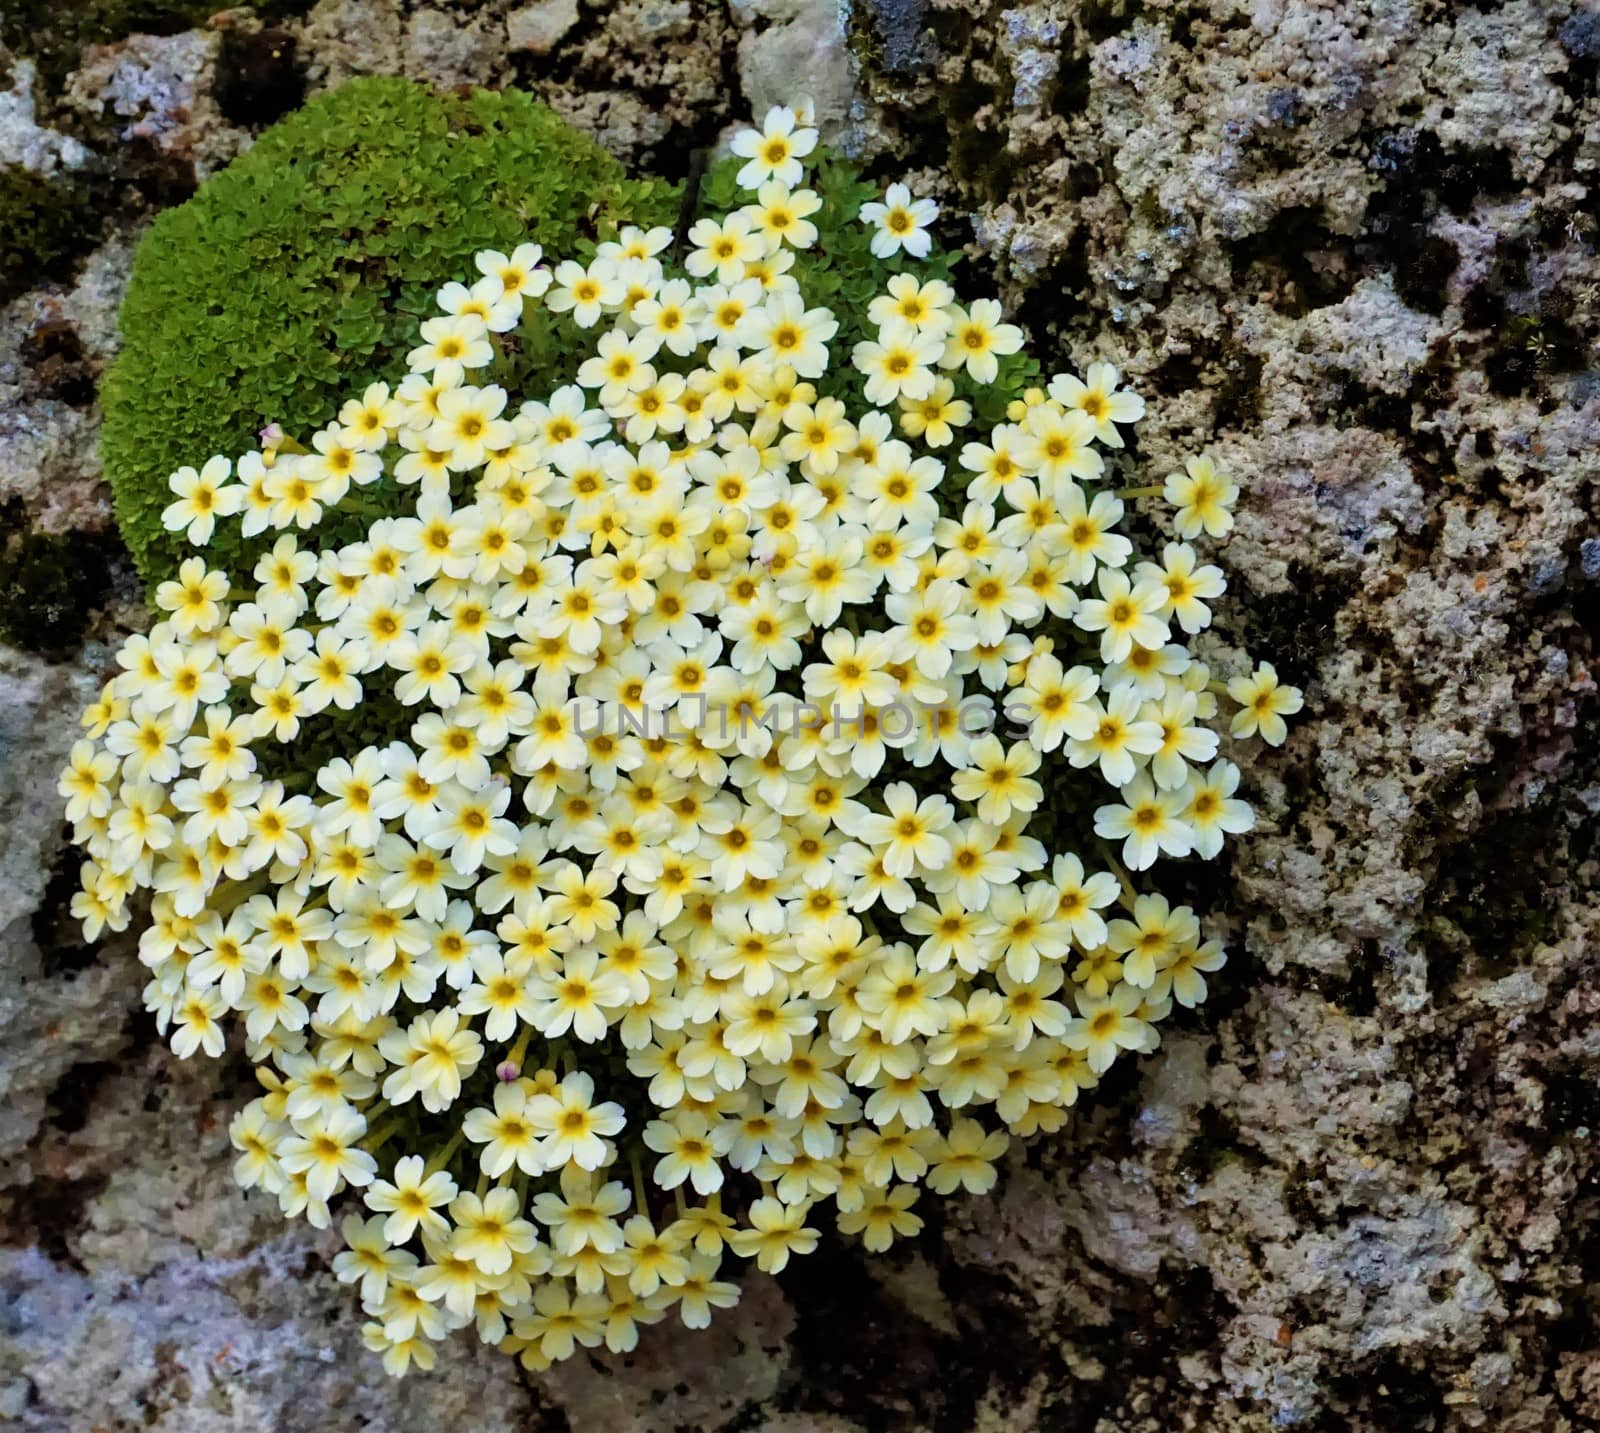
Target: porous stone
(22, 139)
(157, 90)
(802, 43)
(57, 1011)
(448, 49)
(537, 28)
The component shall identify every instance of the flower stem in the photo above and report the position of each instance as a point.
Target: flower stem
(639, 1199)
(444, 1156)
(1130, 894)
(519, 1051)
(376, 1139)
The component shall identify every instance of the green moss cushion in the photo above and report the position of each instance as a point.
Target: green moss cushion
(299, 273)
(43, 222)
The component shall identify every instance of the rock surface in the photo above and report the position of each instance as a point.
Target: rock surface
(1350, 249)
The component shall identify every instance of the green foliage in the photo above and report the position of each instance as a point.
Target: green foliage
(45, 221)
(300, 273)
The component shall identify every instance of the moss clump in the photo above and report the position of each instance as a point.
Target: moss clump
(46, 221)
(49, 584)
(300, 272)
(55, 35)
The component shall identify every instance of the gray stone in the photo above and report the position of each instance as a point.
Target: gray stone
(538, 28)
(22, 140)
(802, 54)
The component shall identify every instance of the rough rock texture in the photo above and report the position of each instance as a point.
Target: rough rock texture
(1350, 248)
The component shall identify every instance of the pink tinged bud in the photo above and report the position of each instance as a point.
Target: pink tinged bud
(507, 1071)
(272, 435)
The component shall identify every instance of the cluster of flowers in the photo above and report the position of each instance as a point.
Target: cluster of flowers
(645, 924)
